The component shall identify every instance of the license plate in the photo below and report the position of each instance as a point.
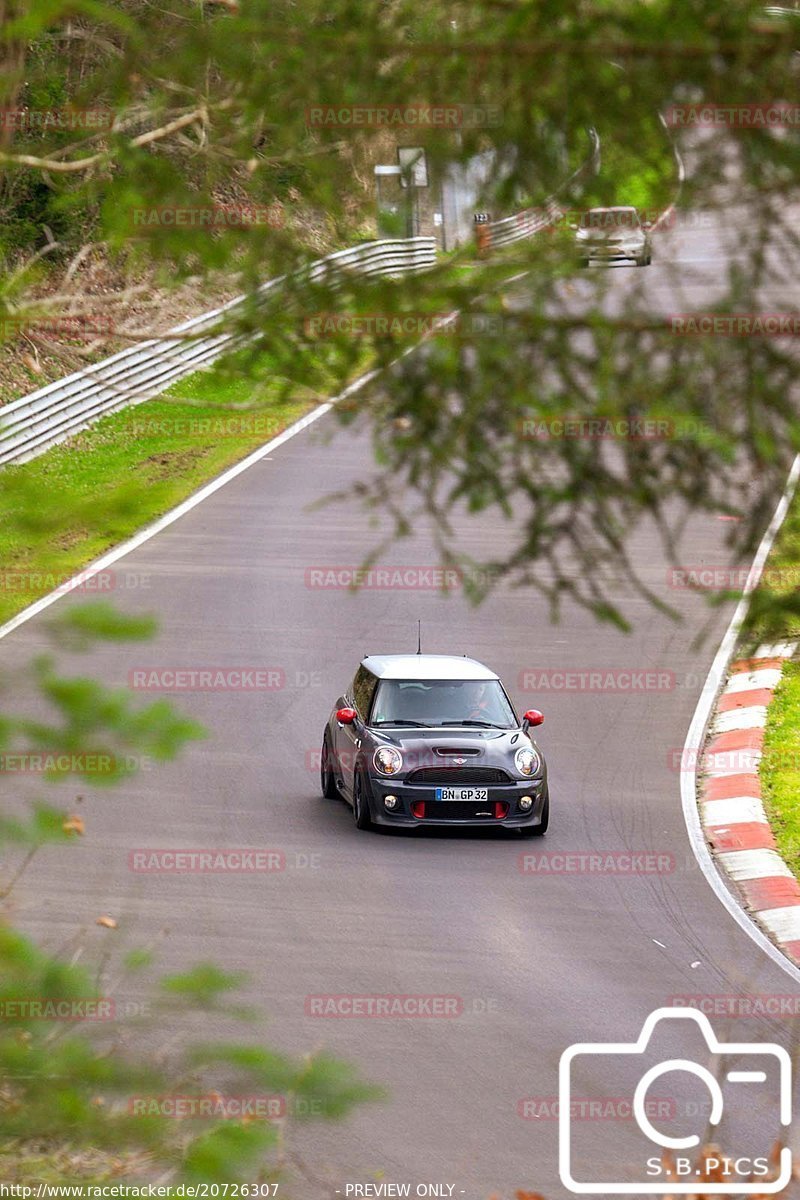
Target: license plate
(453, 793)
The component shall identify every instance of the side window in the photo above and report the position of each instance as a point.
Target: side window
(363, 690)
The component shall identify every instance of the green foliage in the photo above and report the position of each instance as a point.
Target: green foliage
(42, 825)
(79, 627)
(64, 1086)
(66, 508)
(205, 985)
(216, 106)
(774, 609)
(211, 107)
(779, 768)
(66, 1082)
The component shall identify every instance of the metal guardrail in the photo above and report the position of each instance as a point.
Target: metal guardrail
(523, 224)
(51, 414)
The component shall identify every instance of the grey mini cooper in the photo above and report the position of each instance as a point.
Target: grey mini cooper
(433, 739)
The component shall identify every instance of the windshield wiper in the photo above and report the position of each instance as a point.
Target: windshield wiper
(415, 724)
(479, 724)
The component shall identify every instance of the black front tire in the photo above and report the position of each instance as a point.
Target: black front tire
(360, 803)
(327, 779)
(540, 829)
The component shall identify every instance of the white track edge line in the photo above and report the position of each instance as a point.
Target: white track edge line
(184, 507)
(697, 728)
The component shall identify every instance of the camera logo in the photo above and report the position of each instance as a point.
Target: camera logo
(722, 1175)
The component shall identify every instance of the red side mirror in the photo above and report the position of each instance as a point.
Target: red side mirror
(533, 717)
(345, 716)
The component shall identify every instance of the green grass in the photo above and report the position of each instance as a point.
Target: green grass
(780, 766)
(78, 500)
(774, 615)
(774, 612)
(64, 509)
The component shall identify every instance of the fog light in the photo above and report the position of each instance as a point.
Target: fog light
(390, 801)
(525, 802)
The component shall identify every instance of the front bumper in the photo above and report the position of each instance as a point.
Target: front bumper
(610, 254)
(450, 813)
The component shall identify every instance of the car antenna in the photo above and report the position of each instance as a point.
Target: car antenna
(419, 637)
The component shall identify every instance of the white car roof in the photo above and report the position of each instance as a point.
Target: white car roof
(426, 666)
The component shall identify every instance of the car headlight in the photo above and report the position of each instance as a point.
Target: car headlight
(527, 761)
(388, 760)
(582, 235)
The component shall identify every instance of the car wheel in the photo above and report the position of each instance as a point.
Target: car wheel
(327, 779)
(541, 828)
(360, 805)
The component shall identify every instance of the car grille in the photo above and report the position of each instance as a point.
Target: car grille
(455, 776)
(455, 751)
(462, 810)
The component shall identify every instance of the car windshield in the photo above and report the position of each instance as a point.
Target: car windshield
(609, 220)
(436, 702)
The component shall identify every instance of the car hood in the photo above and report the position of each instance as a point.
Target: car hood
(616, 235)
(423, 748)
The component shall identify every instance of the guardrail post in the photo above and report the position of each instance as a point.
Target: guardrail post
(483, 234)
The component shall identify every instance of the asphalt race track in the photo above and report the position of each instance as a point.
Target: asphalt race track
(536, 960)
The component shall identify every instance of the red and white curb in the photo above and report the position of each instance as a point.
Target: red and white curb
(733, 817)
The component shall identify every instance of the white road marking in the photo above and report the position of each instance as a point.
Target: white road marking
(694, 737)
(784, 924)
(776, 650)
(748, 681)
(754, 864)
(732, 762)
(186, 506)
(738, 810)
(751, 716)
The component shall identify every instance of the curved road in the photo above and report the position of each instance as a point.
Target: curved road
(537, 960)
